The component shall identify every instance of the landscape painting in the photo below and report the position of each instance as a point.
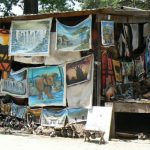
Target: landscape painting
(77, 115)
(30, 37)
(15, 84)
(107, 33)
(53, 118)
(46, 86)
(79, 71)
(18, 111)
(74, 38)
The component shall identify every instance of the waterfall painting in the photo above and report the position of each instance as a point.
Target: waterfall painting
(18, 111)
(46, 86)
(15, 84)
(74, 38)
(79, 71)
(30, 37)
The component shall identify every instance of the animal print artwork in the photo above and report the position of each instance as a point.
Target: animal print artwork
(46, 86)
(79, 71)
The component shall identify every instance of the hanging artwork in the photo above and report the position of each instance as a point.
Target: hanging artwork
(16, 84)
(79, 71)
(46, 86)
(53, 118)
(117, 70)
(107, 33)
(139, 68)
(30, 37)
(75, 115)
(5, 108)
(81, 95)
(5, 60)
(34, 115)
(74, 38)
(18, 111)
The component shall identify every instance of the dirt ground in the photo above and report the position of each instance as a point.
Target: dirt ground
(30, 142)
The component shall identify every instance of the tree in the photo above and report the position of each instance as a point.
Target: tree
(30, 6)
(90, 4)
(6, 6)
(56, 5)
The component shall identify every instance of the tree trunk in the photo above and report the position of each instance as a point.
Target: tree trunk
(30, 6)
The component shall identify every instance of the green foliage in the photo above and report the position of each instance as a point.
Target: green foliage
(92, 4)
(89, 4)
(6, 6)
(56, 5)
(68, 5)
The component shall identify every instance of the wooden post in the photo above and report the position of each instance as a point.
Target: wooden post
(98, 64)
(30, 7)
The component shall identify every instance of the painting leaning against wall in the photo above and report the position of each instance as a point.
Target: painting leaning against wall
(46, 86)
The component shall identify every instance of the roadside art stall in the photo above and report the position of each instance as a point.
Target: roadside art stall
(47, 73)
(62, 71)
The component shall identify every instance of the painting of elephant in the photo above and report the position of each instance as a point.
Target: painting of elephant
(44, 85)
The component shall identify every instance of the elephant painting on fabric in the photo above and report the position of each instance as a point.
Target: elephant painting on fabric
(44, 85)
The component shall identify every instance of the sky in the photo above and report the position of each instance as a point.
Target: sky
(17, 10)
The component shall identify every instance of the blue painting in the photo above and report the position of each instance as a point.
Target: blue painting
(74, 38)
(15, 84)
(107, 33)
(30, 37)
(46, 86)
(76, 115)
(53, 118)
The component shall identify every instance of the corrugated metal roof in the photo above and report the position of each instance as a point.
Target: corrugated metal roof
(107, 11)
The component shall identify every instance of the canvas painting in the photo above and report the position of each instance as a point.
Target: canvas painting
(5, 60)
(46, 86)
(53, 118)
(79, 71)
(30, 37)
(75, 115)
(18, 111)
(34, 115)
(16, 84)
(107, 33)
(117, 70)
(74, 38)
(5, 108)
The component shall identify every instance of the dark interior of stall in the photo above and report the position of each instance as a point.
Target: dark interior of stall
(132, 123)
